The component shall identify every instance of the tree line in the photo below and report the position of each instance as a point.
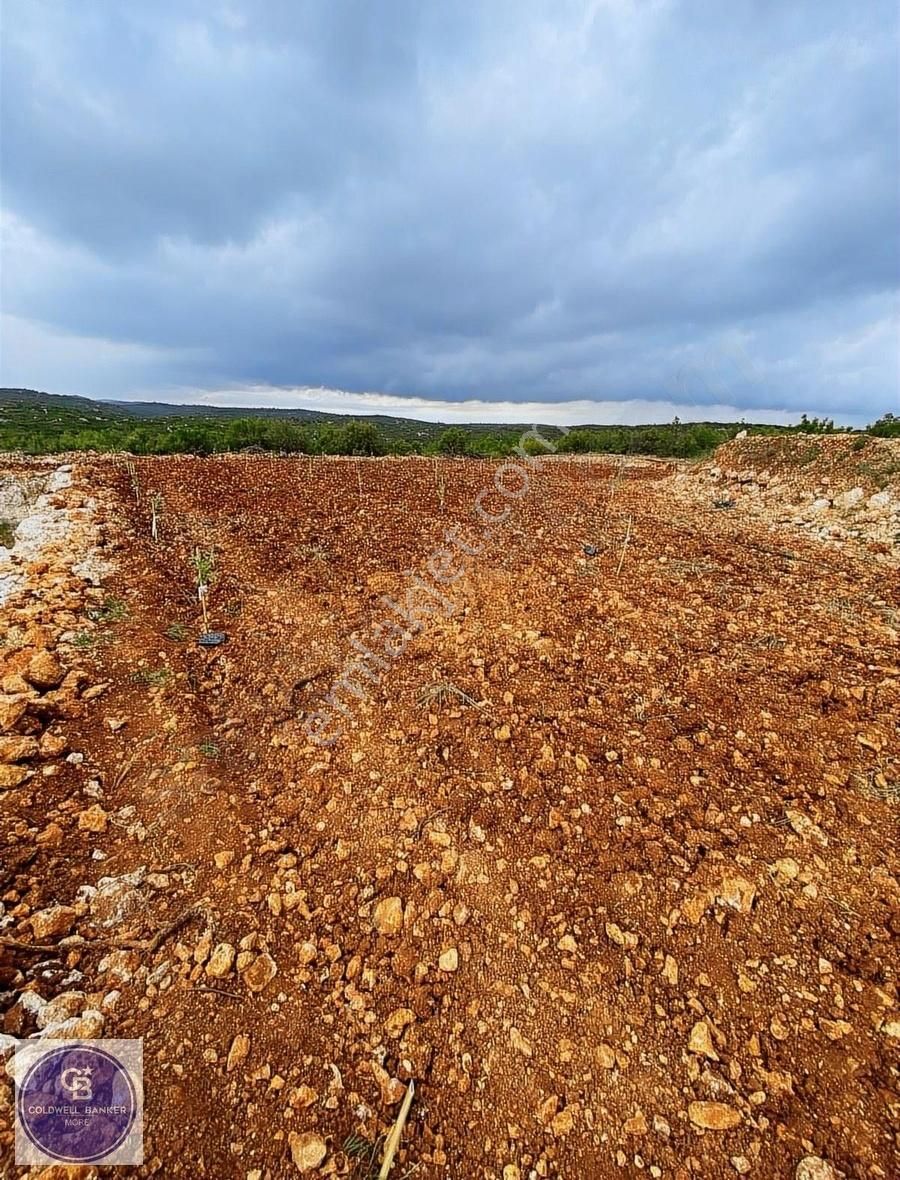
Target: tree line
(207, 436)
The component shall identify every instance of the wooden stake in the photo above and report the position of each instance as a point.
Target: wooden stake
(393, 1140)
(624, 547)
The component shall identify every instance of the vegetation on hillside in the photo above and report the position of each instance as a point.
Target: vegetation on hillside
(47, 424)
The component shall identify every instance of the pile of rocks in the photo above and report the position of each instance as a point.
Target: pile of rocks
(846, 493)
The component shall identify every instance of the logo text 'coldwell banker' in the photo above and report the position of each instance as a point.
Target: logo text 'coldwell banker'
(79, 1102)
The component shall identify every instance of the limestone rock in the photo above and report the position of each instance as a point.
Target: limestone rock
(713, 1116)
(44, 670)
(812, 1167)
(12, 710)
(260, 973)
(12, 776)
(220, 961)
(308, 1150)
(60, 1008)
(237, 1054)
(17, 749)
(398, 1020)
(700, 1041)
(53, 921)
(805, 828)
(449, 960)
(388, 916)
(94, 819)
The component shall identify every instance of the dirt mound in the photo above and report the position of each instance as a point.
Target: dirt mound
(839, 461)
(840, 489)
(604, 857)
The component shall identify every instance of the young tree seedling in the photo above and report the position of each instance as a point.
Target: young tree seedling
(156, 508)
(203, 563)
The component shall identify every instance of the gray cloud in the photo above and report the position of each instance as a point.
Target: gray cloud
(673, 202)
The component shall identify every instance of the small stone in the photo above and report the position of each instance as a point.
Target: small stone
(94, 819)
(237, 1054)
(701, 1042)
(260, 973)
(812, 1167)
(60, 1008)
(392, 1089)
(623, 938)
(50, 837)
(308, 1150)
(449, 960)
(670, 971)
(220, 961)
(17, 749)
(86, 1027)
(695, 907)
(502, 733)
(12, 776)
(52, 745)
(12, 710)
(388, 916)
(519, 1043)
(563, 1123)
(786, 869)
(805, 828)
(223, 859)
(55, 920)
(398, 1020)
(737, 893)
(636, 1125)
(605, 1056)
(835, 1030)
(713, 1116)
(44, 671)
(741, 1164)
(779, 1029)
(301, 1097)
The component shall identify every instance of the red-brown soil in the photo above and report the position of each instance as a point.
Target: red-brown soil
(647, 794)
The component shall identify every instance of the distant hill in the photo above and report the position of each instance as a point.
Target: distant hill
(82, 408)
(47, 423)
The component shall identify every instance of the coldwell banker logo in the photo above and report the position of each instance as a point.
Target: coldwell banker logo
(79, 1102)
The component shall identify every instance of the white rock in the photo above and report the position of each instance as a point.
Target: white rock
(811, 1167)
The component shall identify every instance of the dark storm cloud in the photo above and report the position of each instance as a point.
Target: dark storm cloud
(687, 202)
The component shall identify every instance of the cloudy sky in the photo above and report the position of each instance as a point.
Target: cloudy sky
(605, 211)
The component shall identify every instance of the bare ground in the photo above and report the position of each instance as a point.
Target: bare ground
(606, 860)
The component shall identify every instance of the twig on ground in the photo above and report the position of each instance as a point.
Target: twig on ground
(162, 934)
(442, 691)
(218, 991)
(150, 945)
(39, 948)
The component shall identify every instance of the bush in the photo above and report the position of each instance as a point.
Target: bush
(887, 426)
(454, 441)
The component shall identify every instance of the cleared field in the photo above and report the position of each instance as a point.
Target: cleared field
(595, 840)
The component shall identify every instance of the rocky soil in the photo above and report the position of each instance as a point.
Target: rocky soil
(841, 489)
(606, 860)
